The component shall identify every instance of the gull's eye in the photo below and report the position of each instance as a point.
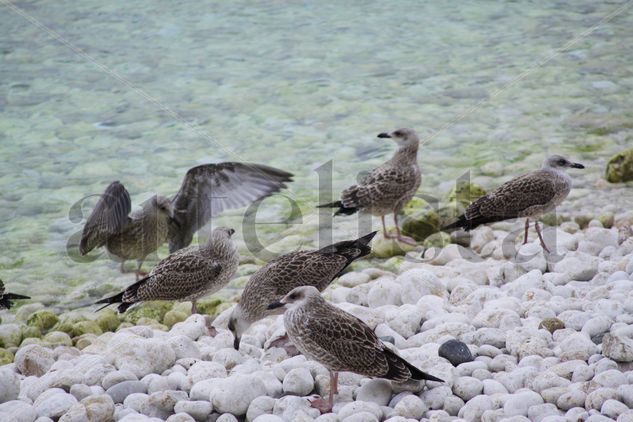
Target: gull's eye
(293, 296)
(398, 134)
(562, 162)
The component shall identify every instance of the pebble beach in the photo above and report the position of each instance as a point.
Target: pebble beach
(97, 91)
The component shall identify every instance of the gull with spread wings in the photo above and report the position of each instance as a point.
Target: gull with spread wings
(206, 191)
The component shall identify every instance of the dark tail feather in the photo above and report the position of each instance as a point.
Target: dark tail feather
(118, 298)
(5, 301)
(468, 225)
(397, 366)
(351, 247)
(341, 209)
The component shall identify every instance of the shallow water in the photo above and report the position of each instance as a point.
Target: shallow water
(142, 91)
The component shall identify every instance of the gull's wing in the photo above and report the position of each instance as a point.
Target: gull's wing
(209, 189)
(108, 217)
(514, 197)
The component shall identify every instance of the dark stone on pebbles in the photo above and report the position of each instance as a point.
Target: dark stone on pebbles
(456, 352)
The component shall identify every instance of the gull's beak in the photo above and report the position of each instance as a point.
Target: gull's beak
(384, 135)
(577, 166)
(236, 343)
(275, 305)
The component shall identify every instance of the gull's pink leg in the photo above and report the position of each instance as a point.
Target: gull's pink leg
(385, 233)
(401, 238)
(540, 236)
(323, 405)
(527, 226)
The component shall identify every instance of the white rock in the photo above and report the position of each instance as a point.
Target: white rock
(376, 391)
(9, 385)
(234, 394)
(204, 370)
(291, 408)
(260, 406)
(596, 398)
(139, 355)
(576, 346)
(298, 382)
(519, 403)
(33, 359)
(467, 387)
(139, 402)
(115, 377)
(229, 357)
(475, 407)
(626, 394)
(613, 408)
(227, 417)
(411, 406)
(537, 413)
(357, 407)
(197, 409)
(18, 411)
(617, 347)
(417, 283)
(361, 417)
(493, 387)
(568, 399)
(353, 279)
(183, 417)
(53, 403)
(384, 291)
(579, 266)
(530, 257)
(184, 347)
(267, 418)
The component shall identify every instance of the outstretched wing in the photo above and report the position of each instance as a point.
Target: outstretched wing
(209, 189)
(514, 197)
(107, 218)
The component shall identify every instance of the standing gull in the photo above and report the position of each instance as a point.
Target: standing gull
(205, 192)
(302, 268)
(187, 274)
(530, 195)
(340, 342)
(5, 298)
(388, 187)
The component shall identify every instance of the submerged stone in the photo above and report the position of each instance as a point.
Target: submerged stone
(620, 167)
(465, 193)
(43, 319)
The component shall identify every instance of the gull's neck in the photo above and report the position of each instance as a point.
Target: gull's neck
(406, 154)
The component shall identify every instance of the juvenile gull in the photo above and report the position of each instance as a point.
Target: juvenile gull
(186, 275)
(205, 192)
(301, 268)
(530, 195)
(340, 342)
(5, 298)
(388, 187)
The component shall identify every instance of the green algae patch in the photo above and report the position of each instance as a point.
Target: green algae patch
(387, 248)
(24, 312)
(437, 240)
(108, 320)
(86, 327)
(6, 357)
(172, 317)
(620, 167)
(155, 310)
(420, 220)
(10, 335)
(31, 332)
(212, 306)
(43, 320)
(57, 338)
(465, 193)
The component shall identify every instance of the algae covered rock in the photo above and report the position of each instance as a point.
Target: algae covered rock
(212, 306)
(386, 248)
(439, 240)
(108, 320)
(620, 167)
(57, 338)
(10, 335)
(420, 220)
(465, 193)
(43, 320)
(155, 310)
(174, 316)
(5, 357)
(552, 324)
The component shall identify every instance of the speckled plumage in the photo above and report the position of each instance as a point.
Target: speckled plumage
(205, 192)
(187, 274)
(270, 283)
(340, 341)
(530, 195)
(5, 298)
(388, 187)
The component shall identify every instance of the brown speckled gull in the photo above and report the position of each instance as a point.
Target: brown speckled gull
(5, 298)
(530, 195)
(302, 268)
(340, 341)
(186, 275)
(388, 187)
(206, 191)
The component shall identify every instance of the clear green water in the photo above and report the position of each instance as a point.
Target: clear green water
(163, 86)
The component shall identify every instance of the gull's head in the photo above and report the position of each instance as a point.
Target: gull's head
(402, 136)
(238, 324)
(222, 233)
(162, 204)
(297, 297)
(560, 162)
(221, 240)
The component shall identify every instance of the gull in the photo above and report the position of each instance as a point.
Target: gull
(186, 275)
(530, 195)
(5, 298)
(340, 342)
(388, 187)
(274, 280)
(205, 192)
